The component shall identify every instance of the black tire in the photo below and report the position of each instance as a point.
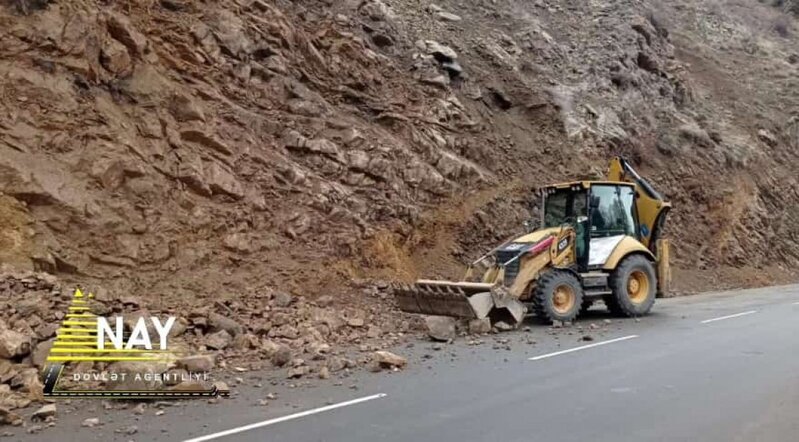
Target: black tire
(613, 305)
(625, 302)
(544, 304)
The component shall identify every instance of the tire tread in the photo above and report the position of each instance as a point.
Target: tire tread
(543, 291)
(617, 303)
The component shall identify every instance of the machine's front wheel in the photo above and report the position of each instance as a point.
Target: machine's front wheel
(558, 296)
(634, 284)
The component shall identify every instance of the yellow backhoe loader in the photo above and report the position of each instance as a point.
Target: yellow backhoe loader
(597, 240)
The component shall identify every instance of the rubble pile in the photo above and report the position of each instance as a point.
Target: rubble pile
(275, 330)
(31, 313)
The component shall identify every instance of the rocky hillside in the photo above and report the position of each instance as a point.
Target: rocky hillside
(262, 168)
(193, 151)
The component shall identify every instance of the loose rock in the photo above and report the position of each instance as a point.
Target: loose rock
(324, 373)
(44, 412)
(8, 417)
(14, 344)
(282, 299)
(387, 359)
(479, 326)
(441, 52)
(298, 372)
(440, 328)
(447, 16)
(219, 322)
(90, 422)
(218, 341)
(129, 430)
(503, 326)
(197, 363)
(282, 356)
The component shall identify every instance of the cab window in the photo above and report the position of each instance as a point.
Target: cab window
(614, 211)
(564, 206)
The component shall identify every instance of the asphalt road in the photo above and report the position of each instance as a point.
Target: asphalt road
(714, 367)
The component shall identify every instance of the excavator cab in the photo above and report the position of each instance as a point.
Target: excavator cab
(596, 240)
(596, 211)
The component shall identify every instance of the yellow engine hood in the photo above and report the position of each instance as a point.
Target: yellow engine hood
(538, 235)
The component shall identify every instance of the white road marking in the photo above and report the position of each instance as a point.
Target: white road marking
(285, 418)
(706, 321)
(597, 344)
(796, 303)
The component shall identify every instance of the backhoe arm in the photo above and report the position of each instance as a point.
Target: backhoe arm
(652, 208)
(652, 211)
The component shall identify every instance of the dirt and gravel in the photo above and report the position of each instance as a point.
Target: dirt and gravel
(263, 169)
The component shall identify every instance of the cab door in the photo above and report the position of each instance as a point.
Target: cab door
(612, 216)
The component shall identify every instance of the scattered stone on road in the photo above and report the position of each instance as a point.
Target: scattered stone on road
(324, 373)
(33, 429)
(503, 326)
(90, 422)
(8, 417)
(479, 326)
(298, 372)
(440, 328)
(129, 430)
(44, 412)
(386, 359)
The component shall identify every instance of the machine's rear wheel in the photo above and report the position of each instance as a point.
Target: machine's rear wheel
(558, 296)
(634, 285)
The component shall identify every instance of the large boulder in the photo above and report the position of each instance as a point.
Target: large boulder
(440, 328)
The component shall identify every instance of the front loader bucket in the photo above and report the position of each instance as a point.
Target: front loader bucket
(470, 300)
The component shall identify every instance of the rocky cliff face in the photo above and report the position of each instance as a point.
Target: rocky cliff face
(261, 168)
(186, 151)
